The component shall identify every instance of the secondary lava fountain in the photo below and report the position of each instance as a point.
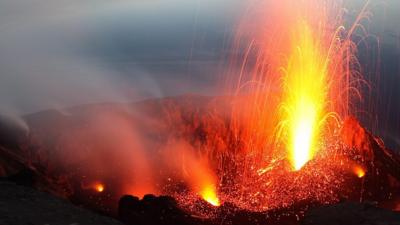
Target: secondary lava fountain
(209, 194)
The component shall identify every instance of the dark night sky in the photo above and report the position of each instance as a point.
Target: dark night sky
(55, 54)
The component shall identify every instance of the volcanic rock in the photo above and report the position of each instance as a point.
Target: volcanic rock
(351, 213)
(23, 205)
(150, 210)
(382, 180)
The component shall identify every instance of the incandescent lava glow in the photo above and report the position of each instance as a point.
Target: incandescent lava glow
(305, 88)
(303, 133)
(209, 195)
(359, 171)
(99, 187)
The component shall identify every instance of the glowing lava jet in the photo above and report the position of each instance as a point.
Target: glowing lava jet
(317, 78)
(209, 194)
(298, 78)
(305, 87)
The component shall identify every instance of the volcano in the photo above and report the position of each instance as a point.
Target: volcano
(82, 154)
(280, 143)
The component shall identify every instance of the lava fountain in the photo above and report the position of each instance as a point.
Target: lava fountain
(208, 193)
(305, 88)
(298, 78)
(302, 74)
(320, 79)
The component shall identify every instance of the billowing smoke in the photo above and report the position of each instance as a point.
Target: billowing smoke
(54, 55)
(44, 61)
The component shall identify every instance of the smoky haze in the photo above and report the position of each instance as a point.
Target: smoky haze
(64, 53)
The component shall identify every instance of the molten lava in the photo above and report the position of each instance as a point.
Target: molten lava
(209, 195)
(305, 87)
(359, 171)
(99, 187)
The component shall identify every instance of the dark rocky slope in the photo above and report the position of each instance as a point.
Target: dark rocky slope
(20, 205)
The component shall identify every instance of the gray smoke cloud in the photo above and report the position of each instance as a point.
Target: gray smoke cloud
(55, 54)
(41, 61)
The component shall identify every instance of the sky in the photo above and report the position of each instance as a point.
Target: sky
(55, 54)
